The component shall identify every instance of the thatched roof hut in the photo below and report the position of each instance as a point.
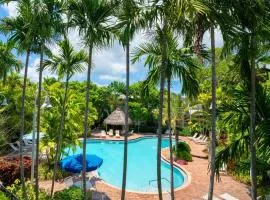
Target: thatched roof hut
(117, 117)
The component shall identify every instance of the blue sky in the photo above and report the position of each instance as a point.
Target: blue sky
(109, 64)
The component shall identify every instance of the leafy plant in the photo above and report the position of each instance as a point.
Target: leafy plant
(16, 189)
(183, 146)
(183, 155)
(72, 193)
(3, 196)
(183, 151)
(10, 171)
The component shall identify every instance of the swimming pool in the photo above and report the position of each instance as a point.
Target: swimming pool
(141, 167)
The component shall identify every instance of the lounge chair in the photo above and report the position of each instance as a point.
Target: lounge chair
(200, 138)
(89, 185)
(103, 134)
(27, 142)
(14, 147)
(194, 136)
(117, 134)
(68, 181)
(205, 197)
(110, 133)
(131, 132)
(227, 196)
(203, 141)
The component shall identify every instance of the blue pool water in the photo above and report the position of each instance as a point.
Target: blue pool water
(141, 164)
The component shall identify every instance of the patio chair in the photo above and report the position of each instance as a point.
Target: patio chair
(103, 134)
(205, 197)
(27, 142)
(131, 132)
(68, 181)
(14, 147)
(198, 138)
(89, 185)
(17, 143)
(202, 141)
(110, 133)
(227, 196)
(117, 134)
(194, 136)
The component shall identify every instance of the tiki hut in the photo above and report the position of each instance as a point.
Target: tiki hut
(116, 119)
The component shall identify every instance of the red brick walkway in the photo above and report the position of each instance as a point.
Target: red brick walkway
(198, 187)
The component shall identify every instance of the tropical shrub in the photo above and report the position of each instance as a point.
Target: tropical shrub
(16, 189)
(183, 151)
(183, 146)
(46, 172)
(3, 196)
(186, 132)
(72, 193)
(10, 171)
(183, 155)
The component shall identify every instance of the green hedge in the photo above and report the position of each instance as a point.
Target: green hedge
(186, 132)
(184, 155)
(72, 193)
(183, 151)
(182, 146)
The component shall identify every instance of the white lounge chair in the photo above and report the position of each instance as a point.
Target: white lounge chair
(201, 137)
(110, 133)
(131, 132)
(205, 197)
(68, 181)
(203, 141)
(89, 185)
(27, 142)
(227, 196)
(103, 134)
(14, 147)
(117, 134)
(194, 136)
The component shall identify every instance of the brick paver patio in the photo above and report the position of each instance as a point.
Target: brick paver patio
(198, 186)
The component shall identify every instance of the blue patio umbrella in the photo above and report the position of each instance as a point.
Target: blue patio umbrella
(74, 163)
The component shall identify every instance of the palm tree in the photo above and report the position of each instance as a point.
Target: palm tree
(21, 33)
(130, 20)
(171, 15)
(213, 130)
(92, 17)
(8, 61)
(253, 22)
(47, 24)
(66, 64)
(180, 64)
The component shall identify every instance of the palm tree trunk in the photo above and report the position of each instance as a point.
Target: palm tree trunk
(161, 95)
(213, 133)
(59, 138)
(22, 125)
(38, 119)
(170, 138)
(86, 119)
(126, 126)
(252, 126)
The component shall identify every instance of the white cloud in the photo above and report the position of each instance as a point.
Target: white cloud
(108, 63)
(33, 74)
(108, 77)
(11, 8)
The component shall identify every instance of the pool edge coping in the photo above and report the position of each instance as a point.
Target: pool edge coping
(187, 182)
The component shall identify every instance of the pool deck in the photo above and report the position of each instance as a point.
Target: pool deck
(195, 189)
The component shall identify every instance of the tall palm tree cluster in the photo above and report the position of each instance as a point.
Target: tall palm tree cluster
(244, 25)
